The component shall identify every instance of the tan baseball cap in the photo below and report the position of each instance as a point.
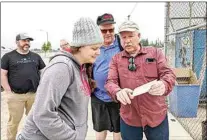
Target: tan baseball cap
(128, 26)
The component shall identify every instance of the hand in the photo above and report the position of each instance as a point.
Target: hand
(157, 89)
(125, 96)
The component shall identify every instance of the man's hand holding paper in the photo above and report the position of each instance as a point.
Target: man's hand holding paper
(124, 96)
(157, 89)
(143, 88)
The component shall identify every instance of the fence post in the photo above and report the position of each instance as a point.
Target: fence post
(167, 14)
(204, 125)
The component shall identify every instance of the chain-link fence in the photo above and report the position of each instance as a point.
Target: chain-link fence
(185, 48)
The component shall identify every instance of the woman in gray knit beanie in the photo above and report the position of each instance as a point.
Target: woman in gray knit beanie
(60, 110)
(86, 37)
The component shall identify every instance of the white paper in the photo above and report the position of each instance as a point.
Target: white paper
(143, 88)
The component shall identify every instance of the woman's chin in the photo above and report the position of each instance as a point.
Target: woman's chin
(92, 60)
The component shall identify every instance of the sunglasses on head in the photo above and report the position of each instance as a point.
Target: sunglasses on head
(132, 65)
(106, 30)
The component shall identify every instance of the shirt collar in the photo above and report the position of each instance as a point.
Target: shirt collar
(141, 51)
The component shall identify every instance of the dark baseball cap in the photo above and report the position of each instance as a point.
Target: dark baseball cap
(23, 36)
(105, 19)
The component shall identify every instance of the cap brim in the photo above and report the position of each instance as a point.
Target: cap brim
(107, 22)
(127, 29)
(31, 39)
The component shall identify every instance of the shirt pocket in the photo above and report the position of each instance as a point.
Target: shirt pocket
(150, 69)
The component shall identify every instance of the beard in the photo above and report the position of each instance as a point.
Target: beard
(25, 47)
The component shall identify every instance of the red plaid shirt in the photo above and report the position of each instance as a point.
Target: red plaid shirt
(145, 109)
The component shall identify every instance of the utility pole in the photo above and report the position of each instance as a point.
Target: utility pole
(46, 35)
(132, 11)
(128, 17)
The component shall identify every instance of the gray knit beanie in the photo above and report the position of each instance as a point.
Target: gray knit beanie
(86, 32)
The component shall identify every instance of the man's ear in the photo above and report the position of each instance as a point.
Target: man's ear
(139, 35)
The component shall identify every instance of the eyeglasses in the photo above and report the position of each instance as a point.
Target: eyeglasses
(132, 65)
(64, 45)
(104, 31)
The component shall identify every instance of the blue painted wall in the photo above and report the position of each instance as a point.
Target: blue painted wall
(199, 44)
(199, 47)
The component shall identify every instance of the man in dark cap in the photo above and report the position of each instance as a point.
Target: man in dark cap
(105, 112)
(20, 75)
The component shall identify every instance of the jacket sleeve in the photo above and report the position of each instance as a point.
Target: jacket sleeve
(112, 82)
(53, 85)
(165, 73)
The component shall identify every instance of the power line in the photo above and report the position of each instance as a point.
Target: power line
(132, 11)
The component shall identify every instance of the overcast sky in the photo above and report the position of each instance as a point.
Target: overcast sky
(58, 19)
